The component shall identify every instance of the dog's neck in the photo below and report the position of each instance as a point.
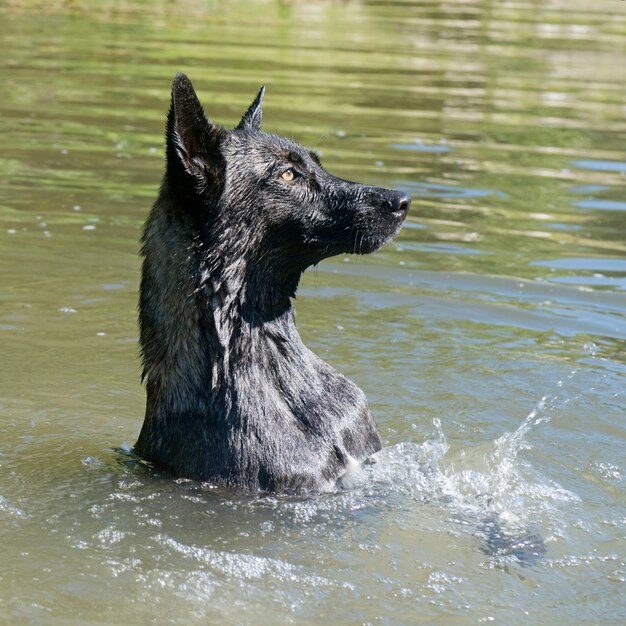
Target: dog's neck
(247, 277)
(246, 299)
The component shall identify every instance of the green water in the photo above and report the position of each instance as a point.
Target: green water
(506, 122)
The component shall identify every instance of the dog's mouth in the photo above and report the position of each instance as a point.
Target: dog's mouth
(361, 241)
(383, 224)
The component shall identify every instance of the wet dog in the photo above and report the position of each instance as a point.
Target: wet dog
(233, 395)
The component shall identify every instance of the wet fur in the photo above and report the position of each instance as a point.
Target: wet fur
(233, 395)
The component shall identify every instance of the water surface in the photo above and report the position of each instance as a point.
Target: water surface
(489, 338)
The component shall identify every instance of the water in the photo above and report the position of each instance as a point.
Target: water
(489, 338)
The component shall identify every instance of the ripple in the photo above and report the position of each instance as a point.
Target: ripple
(598, 165)
(10, 509)
(241, 566)
(432, 190)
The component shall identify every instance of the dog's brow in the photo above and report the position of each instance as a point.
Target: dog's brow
(315, 157)
(294, 157)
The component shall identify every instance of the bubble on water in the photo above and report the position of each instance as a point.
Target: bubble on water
(590, 348)
(91, 461)
(609, 472)
(618, 576)
(268, 526)
(110, 535)
(442, 582)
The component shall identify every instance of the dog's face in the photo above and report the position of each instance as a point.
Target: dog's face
(323, 212)
(298, 206)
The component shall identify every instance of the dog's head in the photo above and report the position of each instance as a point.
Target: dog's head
(271, 186)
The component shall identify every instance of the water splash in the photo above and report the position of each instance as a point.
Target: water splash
(488, 488)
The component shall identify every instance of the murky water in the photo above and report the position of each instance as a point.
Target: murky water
(489, 338)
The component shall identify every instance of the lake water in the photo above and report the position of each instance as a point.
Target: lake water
(490, 337)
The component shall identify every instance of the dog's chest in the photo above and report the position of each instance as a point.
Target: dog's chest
(311, 420)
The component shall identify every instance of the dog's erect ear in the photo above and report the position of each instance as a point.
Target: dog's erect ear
(252, 118)
(191, 138)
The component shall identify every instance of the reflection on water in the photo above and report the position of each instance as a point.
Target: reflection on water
(418, 146)
(506, 123)
(605, 205)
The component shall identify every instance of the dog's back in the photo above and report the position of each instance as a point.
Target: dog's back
(234, 396)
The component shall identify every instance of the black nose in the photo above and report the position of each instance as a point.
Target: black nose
(400, 204)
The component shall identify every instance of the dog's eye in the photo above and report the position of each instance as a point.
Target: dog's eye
(289, 175)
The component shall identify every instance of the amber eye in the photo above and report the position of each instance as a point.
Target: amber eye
(288, 175)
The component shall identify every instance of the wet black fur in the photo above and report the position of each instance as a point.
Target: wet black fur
(233, 395)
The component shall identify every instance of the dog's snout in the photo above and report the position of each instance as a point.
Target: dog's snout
(399, 204)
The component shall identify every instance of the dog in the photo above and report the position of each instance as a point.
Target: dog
(234, 397)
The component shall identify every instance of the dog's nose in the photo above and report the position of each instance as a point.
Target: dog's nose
(400, 204)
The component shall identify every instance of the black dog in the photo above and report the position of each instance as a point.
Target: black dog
(234, 396)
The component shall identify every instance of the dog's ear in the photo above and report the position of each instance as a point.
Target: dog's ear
(252, 118)
(192, 139)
